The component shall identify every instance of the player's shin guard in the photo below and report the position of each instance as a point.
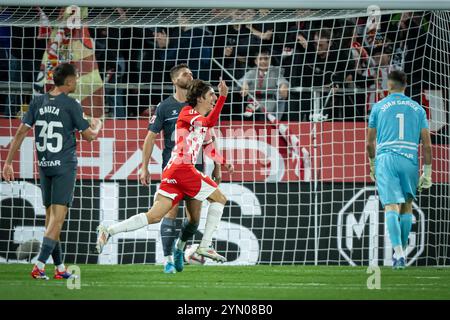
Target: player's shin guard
(168, 235)
(135, 222)
(393, 225)
(187, 231)
(406, 220)
(215, 211)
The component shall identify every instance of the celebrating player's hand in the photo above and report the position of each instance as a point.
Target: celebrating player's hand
(8, 172)
(145, 177)
(223, 89)
(425, 179)
(95, 122)
(372, 169)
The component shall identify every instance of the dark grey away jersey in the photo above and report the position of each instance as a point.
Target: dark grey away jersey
(165, 118)
(55, 119)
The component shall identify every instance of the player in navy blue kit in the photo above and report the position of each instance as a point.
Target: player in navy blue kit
(165, 119)
(55, 117)
(397, 124)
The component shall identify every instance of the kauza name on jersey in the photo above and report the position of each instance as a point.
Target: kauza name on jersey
(49, 109)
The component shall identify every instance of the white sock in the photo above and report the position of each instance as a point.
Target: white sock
(180, 244)
(135, 222)
(168, 259)
(61, 268)
(399, 252)
(40, 265)
(215, 211)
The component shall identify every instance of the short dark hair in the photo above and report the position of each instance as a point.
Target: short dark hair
(255, 51)
(265, 50)
(62, 71)
(399, 78)
(198, 88)
(176, 69)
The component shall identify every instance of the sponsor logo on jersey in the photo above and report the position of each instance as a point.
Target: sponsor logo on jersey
(171, 181)
(49, 163)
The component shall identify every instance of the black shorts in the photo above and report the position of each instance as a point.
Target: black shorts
(58, 189)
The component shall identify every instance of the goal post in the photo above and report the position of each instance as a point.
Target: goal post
(303, 76)
(250, 4)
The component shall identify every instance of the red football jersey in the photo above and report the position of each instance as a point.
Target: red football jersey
(190, 132)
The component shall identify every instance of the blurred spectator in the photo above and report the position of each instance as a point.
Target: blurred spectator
(8, 102)
(338, 54)
(293, 55)
(267, 85)
(382, 57)
(297, 34)
(25, 46)
(73, 45)
(318, 63)
(111, 65)
(363, 76)
(262, 33)
(194, 47)
(236, 36)
(159, 56)
(409, 38)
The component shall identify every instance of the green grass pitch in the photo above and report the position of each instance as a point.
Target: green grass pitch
(228, 282)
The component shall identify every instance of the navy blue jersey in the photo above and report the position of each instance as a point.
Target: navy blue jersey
(55, 119)
(165, 118)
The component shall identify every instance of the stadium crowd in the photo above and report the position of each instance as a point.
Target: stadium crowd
(281, 67)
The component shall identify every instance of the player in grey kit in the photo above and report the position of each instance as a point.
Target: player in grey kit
(165, 119)
(55, 117)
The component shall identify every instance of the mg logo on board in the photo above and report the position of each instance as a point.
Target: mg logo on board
(362, 236)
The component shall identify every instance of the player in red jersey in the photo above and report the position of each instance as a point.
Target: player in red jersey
(180, 178)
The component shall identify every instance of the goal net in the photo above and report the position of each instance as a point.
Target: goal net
(302, 83)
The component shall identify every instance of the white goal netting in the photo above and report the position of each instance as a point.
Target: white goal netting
(302, 84)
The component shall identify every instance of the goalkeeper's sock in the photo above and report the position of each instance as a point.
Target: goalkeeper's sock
(57, 254)
(187, 232)
(393, 225)
(46, 250)
(215, 211)
(405, 228)
(168, 235)
(180, 244)
(135, 222)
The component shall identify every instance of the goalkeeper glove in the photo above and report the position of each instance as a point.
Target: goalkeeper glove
(425, 178)
(372, 169)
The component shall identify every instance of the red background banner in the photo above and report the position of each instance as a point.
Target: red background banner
(258, 152)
